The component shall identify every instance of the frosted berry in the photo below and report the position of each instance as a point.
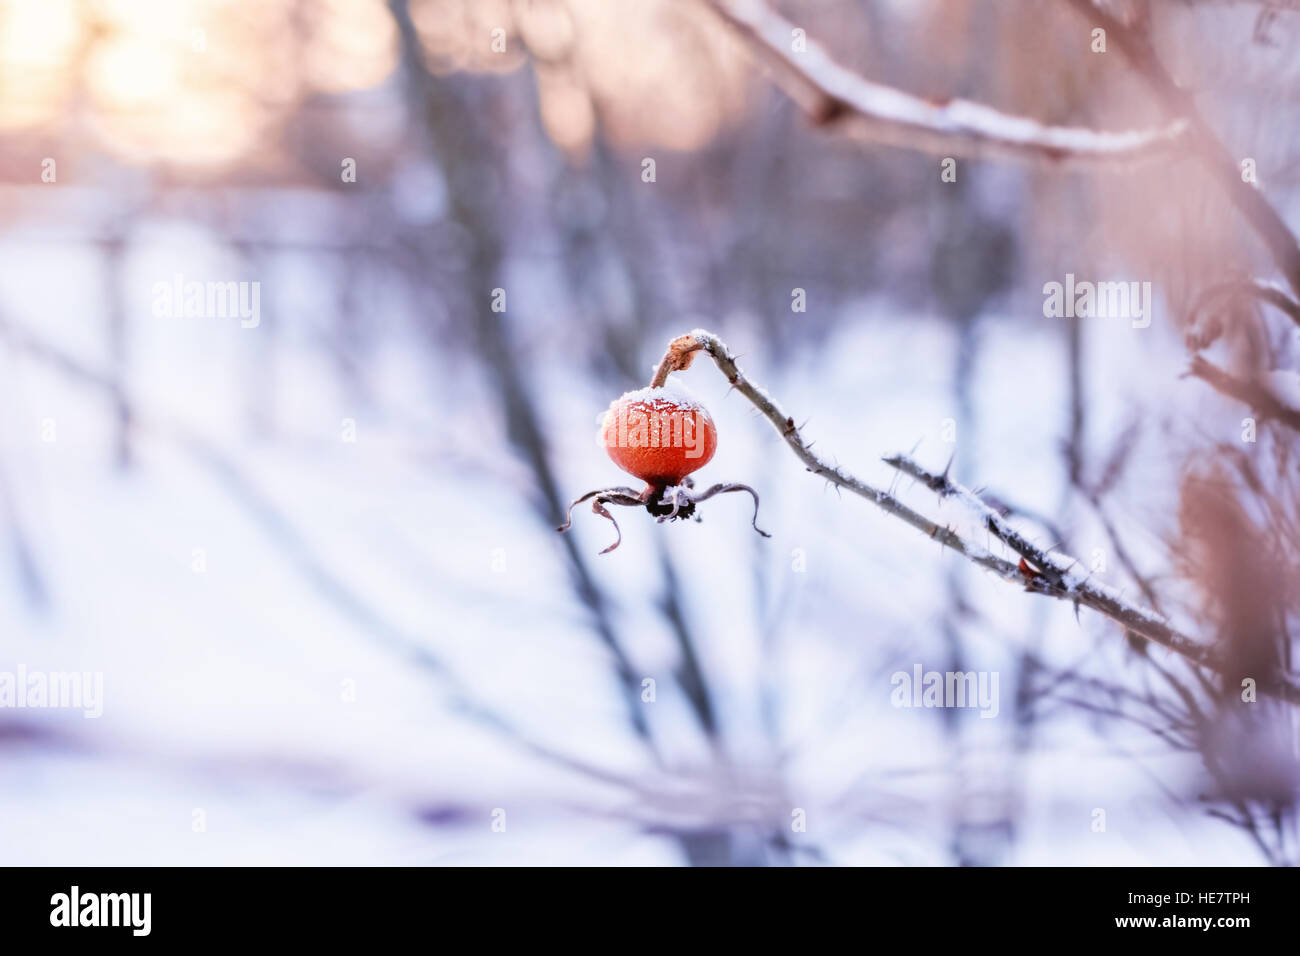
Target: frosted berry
(660, 435)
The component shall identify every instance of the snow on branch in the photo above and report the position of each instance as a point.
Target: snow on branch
(1040, 562)
(833, 95)
(1038, 572)
(1061, 577)
(1134, 43)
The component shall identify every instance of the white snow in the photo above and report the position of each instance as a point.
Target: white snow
(671, 394)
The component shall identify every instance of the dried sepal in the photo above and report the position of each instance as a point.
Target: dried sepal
(665, 504)
(735, 486)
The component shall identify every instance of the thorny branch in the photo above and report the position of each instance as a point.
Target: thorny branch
(1046, 574)
(833, 95)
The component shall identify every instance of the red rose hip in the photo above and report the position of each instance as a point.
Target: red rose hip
(660, 435)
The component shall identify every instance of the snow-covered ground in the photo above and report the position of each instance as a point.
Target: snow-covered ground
(300, 635)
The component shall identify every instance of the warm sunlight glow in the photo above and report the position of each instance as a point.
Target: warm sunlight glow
(478, 35)
(187, 81)
(37, 41)
(352, 45)
(205, 81)
(660, 72)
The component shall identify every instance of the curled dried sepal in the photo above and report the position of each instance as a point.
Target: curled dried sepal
(674, 498)
(604, 496)
(599, 509)
(666, 504)
(735, 486)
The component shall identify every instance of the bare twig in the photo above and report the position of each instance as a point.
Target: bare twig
(1264, 291)
(1049, 575)
(833, 95)
(457, 144)
(1135, 45)
(1261, 401)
